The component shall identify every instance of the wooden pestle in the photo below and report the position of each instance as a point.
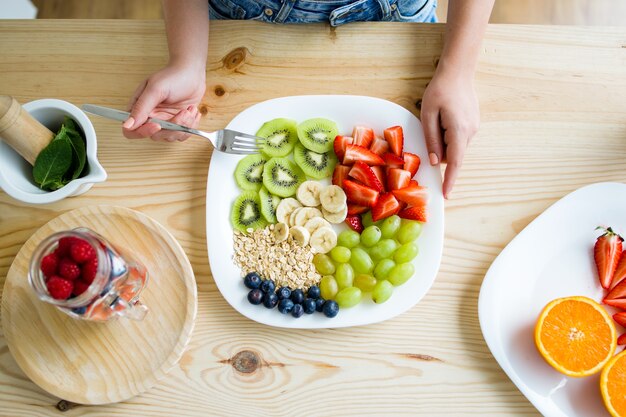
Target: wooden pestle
(21, 131)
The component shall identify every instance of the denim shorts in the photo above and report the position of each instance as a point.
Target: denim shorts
(336, 12)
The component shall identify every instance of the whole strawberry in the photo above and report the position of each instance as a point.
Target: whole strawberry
(68, 269)
(81, 251)
(59, 288)
(607, 252)
(49, 264)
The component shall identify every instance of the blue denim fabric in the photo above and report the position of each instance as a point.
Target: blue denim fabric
(337, 12)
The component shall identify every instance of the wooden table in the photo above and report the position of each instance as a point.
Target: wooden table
(554, 119)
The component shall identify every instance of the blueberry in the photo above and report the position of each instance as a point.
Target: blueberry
(252, 280)
(314, 292)
(297, 311)
(255, 296)
(285, 306)
(268, 286)
(319, 304)
(270, 300)
(331, 308)
(297, 296)
(79, 310)
(283, 293)
(309, 306)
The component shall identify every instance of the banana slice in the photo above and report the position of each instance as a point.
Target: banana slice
(335, 217)
(300, 235)
(309, 193)
(281, 232)
(333, 199)
(315, 223)
(285, 208)
(305, 214)
(292, 216)
(323, 240)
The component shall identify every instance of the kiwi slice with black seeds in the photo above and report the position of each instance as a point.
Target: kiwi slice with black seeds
(280, 137)
(246, 212)
(249, 172)
(282, 177)
(317, 134)
(315, 165)
(269, 202)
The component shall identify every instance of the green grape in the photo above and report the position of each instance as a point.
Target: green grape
(383, 249)
(367, 220)
(328, 287)
(401, 273)
(323, 264)
(406, 252)
(340, 254)
(390, 226)
(365, 282)
(382, 291)
(370, 236)
(409, 231)
(348, 297)
(382, 268)
(344, 275)
(361, 261)
(348, 238)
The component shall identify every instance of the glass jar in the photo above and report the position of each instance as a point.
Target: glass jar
(115, 289)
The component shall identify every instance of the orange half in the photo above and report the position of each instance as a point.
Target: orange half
(575, 335)
(613, 385)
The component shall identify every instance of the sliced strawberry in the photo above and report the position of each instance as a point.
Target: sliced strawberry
(617, 296)
(620, 318)
(355, 209)
(620, 271)
(339, 174)
(397, 178)
(621, 340)
(395, 137)
(380, 174)
(411, 163)
(393, 161)
(379, 146)
(354, 222)
(414, 213)
(415, 183)
(360, 194)
(363, 173)
(363, 136)
(386, 206)
(414, 195)
(340, 145)
(358, 153)
(607, 252)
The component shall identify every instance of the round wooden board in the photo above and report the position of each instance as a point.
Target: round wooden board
(99, 363)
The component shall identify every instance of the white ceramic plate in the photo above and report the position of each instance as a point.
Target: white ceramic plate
(551, 258)
(347, 111)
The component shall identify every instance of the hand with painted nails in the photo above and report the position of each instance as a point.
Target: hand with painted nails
(172, 94)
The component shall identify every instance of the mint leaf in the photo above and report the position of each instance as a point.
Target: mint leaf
(53, 162)
(79, 155)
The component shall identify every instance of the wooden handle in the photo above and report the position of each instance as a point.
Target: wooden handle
(21, 131)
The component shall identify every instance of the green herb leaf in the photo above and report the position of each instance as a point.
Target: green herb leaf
(79, 155)
(53, 162)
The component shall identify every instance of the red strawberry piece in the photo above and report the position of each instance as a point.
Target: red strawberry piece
(395, 137)
(411, 163)
(617, 296)
(414, 183)
(68, 269)
(354, 222)
(622, 339)
(354, 209)
(607, 252)
(59, 288)
(413, 195)
(380, 174)
(393, 161)
(340, 173)
(414, 213)
(64, 245)
(49, 264)
(363, 136)
(363, 173)
(358, 153)
(360, 194)
(620, 318)
(397, 178)
(379, 146)
(620, 271)
(340, 145)
(81, 251)
(90, 269)
(386, 206)
(80, 287)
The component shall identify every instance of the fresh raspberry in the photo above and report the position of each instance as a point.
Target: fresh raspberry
(81, 251)
(68, 269)
(49, 264)
(90, 268)
(80, 287)
(59, 288)
(64, 245)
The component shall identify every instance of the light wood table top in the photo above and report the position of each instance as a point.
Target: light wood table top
(553, 105)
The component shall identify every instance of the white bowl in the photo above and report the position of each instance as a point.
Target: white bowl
(16, 177)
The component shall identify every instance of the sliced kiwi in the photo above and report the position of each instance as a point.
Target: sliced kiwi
(282, 177)
(249, 172)
(269, 202)
(246, 212)
(315, 165)
(280, 134)
(317, 134)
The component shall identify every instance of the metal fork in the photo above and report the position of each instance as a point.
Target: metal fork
(225, 140)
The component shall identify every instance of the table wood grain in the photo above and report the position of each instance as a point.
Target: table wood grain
(553, 105)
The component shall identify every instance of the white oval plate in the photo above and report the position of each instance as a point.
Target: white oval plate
(346, 111)
(551, 258)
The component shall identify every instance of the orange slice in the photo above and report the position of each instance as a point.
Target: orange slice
(613, 385)
(575, 335)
